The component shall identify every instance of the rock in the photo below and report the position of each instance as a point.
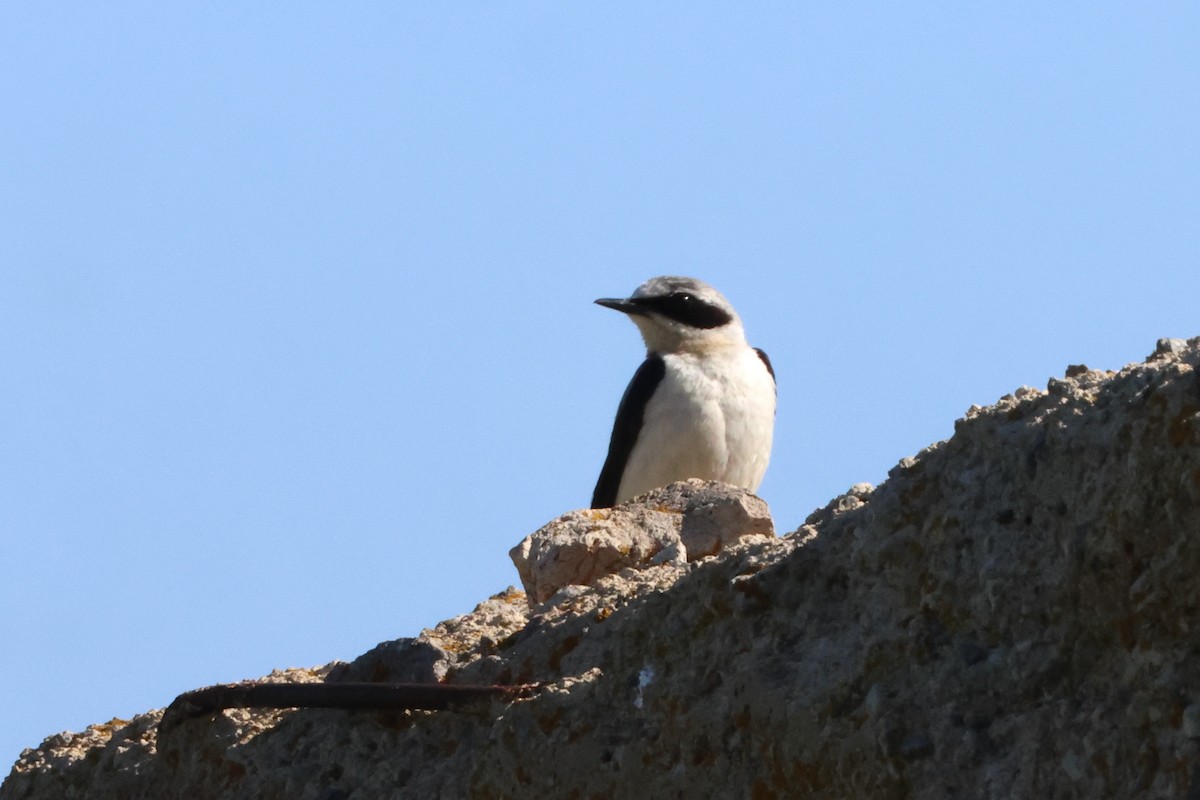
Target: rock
(1165, 348)
(1012, 613)
(429, 657)
(675, 524)
(398, 661)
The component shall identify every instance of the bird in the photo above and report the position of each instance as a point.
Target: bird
(702, 404)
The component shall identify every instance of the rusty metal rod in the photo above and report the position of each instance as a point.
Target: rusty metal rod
(348, 696)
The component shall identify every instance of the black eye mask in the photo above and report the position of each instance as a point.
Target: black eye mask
(686, 308)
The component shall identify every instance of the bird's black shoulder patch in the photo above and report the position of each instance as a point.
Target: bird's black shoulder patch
(626, 428)
(766, 361)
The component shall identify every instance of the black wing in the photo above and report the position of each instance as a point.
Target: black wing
(626, 429)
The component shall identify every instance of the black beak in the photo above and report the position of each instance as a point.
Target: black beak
(618, 304)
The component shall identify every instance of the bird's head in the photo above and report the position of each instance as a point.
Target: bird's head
(678, 314)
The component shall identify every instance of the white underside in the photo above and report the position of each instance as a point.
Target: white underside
(711, 417)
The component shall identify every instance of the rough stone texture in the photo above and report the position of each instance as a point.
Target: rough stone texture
(678, 523)
(1013, 613)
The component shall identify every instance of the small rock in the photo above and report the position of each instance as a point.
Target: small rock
(397, 661)
(905, 464)
(1164, 348)
(686, 520)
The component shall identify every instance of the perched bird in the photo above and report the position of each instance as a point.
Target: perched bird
(702, 404)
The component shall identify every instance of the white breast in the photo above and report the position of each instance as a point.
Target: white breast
(711, 417)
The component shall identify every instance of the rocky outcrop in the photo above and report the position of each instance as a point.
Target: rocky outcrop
(1013, 613)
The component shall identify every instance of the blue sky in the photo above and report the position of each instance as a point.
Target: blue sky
(296, 303)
